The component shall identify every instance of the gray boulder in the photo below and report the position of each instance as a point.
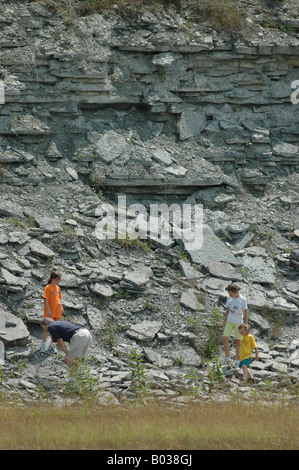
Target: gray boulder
(191, 124)
(96, 318)
(48, 224)
(103, 290)
(224, 271)
(211, 250)
(38, 248)
(256, 269)
(189, 300)
(13, 332)
(145, 331)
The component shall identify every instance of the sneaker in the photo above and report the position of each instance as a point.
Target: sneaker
(42, 347)
(244, 383)
(52, 349)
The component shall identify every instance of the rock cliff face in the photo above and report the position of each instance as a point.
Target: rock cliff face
(160, 111)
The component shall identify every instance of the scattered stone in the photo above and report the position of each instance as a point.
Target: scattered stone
(12, 280)
(189, 300)
(145, 331)
(210, 250)
(104, 290)
(48, 224)
(72, 172)
(187, 270)
(110, 146)
(224, 271)
(257, 270)
(12, 330)
(38, 248)
(137, 280)
(191, 124)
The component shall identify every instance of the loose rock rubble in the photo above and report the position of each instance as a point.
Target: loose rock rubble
(108, 107)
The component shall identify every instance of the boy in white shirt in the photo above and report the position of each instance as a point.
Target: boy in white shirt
(236, 313)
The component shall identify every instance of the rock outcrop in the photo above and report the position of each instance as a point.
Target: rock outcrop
(147, 109)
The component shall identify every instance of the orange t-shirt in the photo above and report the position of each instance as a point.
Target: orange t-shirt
(53, 294)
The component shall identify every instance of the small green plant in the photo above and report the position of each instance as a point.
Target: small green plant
(278, 322)
(132, 243)
(215, 374)
(109, 333)
(149, 306)
(276, 319)
(193, 324)
(286, 29)
(268, 386)
(183, 255)
(81, 383)
(214, 335)
(178, 361)
(194, 378)
(138, 373)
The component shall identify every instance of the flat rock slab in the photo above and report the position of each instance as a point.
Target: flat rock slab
(189, 300)
(38, 248)
(224, 271)
(187, 270)
(145, 331)
(139, 277)
(49, 225)
(211, 250)
(257, 270)
(12, 280)
(103, 290)
(96, 318)
(12, 329)
(110, 146)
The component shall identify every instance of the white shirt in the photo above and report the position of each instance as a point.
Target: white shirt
(236, 305)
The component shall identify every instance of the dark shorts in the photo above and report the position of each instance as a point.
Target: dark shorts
(246, 362)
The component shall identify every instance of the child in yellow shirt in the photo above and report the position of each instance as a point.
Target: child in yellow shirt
(247, 345)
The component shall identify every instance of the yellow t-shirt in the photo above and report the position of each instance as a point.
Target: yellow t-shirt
(53, 294)
(247, 344)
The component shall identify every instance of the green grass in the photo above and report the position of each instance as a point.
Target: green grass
(221, 14)
(150, 427)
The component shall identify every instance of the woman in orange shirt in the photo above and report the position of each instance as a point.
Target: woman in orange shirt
(52, 305)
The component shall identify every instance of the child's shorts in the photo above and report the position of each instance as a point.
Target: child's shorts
(246, 362)
(229, 327)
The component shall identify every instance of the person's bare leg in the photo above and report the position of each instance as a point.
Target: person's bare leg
(73, 363)
(237, 343)
(226, 346)
(45, 336)
(246, 373)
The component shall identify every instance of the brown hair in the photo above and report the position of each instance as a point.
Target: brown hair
(233, 288)
(244, 325)
(54, 275)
